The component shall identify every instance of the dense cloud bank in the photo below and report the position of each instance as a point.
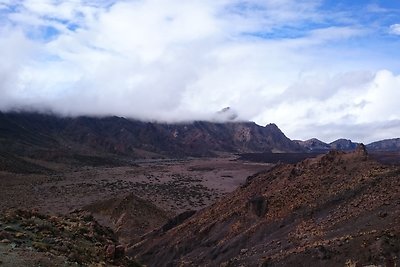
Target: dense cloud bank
(313, 69)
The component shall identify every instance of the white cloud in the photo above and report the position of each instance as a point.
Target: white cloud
(15, 51)
(351, 105)
(395, 29)
(174, 60)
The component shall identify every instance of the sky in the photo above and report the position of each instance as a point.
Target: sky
(325, 69)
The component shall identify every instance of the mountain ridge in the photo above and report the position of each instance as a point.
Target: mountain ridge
(117, 140)
(333, 210)
(33, 134)
(316, 145)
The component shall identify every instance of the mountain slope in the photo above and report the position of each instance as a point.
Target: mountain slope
(314, 145)
(129, 216)
(52, 137)
(343, 144)
(29, 238)
(326, 211)
(385, 145)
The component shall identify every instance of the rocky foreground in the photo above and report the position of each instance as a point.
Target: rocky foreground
(28, 238)
(340, 209)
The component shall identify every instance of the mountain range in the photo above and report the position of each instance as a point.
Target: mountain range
(315, 145)
(89, 138)
(41, 135)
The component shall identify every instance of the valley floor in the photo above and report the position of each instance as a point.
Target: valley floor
(172, 185)
(132, 200)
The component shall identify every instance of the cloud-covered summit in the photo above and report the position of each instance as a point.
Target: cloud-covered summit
(314, 67)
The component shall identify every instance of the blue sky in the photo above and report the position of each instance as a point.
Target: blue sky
(325, 69)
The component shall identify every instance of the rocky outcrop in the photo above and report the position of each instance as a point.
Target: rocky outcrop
(335, 209)
(76, 239)
(129, 216)
(361, 151)
(258, 205)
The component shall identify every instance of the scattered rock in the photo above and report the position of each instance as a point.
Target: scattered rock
(20, 235)
(110, 252)
(9, 229)
(259, 205)
(120, 251)
(40, 246)
(5, 235)
(319, 212)
(382, 214)
(323, 253)
(46, 236)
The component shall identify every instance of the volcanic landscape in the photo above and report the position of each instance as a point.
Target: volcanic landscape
(112, 191)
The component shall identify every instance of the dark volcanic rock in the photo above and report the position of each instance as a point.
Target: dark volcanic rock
(93, 141)
(177, 220)
(259, 205)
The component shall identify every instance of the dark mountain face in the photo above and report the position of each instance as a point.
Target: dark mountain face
(46, 136)
(315, 145)
(340, 208)
(343, 145)
(385, 145)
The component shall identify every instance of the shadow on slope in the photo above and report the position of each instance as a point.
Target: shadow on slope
(340, 208)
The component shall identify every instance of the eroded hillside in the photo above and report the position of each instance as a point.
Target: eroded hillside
(337, 209)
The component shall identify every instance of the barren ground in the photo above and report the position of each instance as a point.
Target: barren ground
(174, 185)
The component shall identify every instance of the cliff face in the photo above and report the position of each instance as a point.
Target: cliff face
(337, 208)
(28, 134)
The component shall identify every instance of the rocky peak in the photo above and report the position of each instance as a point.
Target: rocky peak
(226, 114)
(361, 152)
(361, 149)
(338, 157)
(343, 144)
